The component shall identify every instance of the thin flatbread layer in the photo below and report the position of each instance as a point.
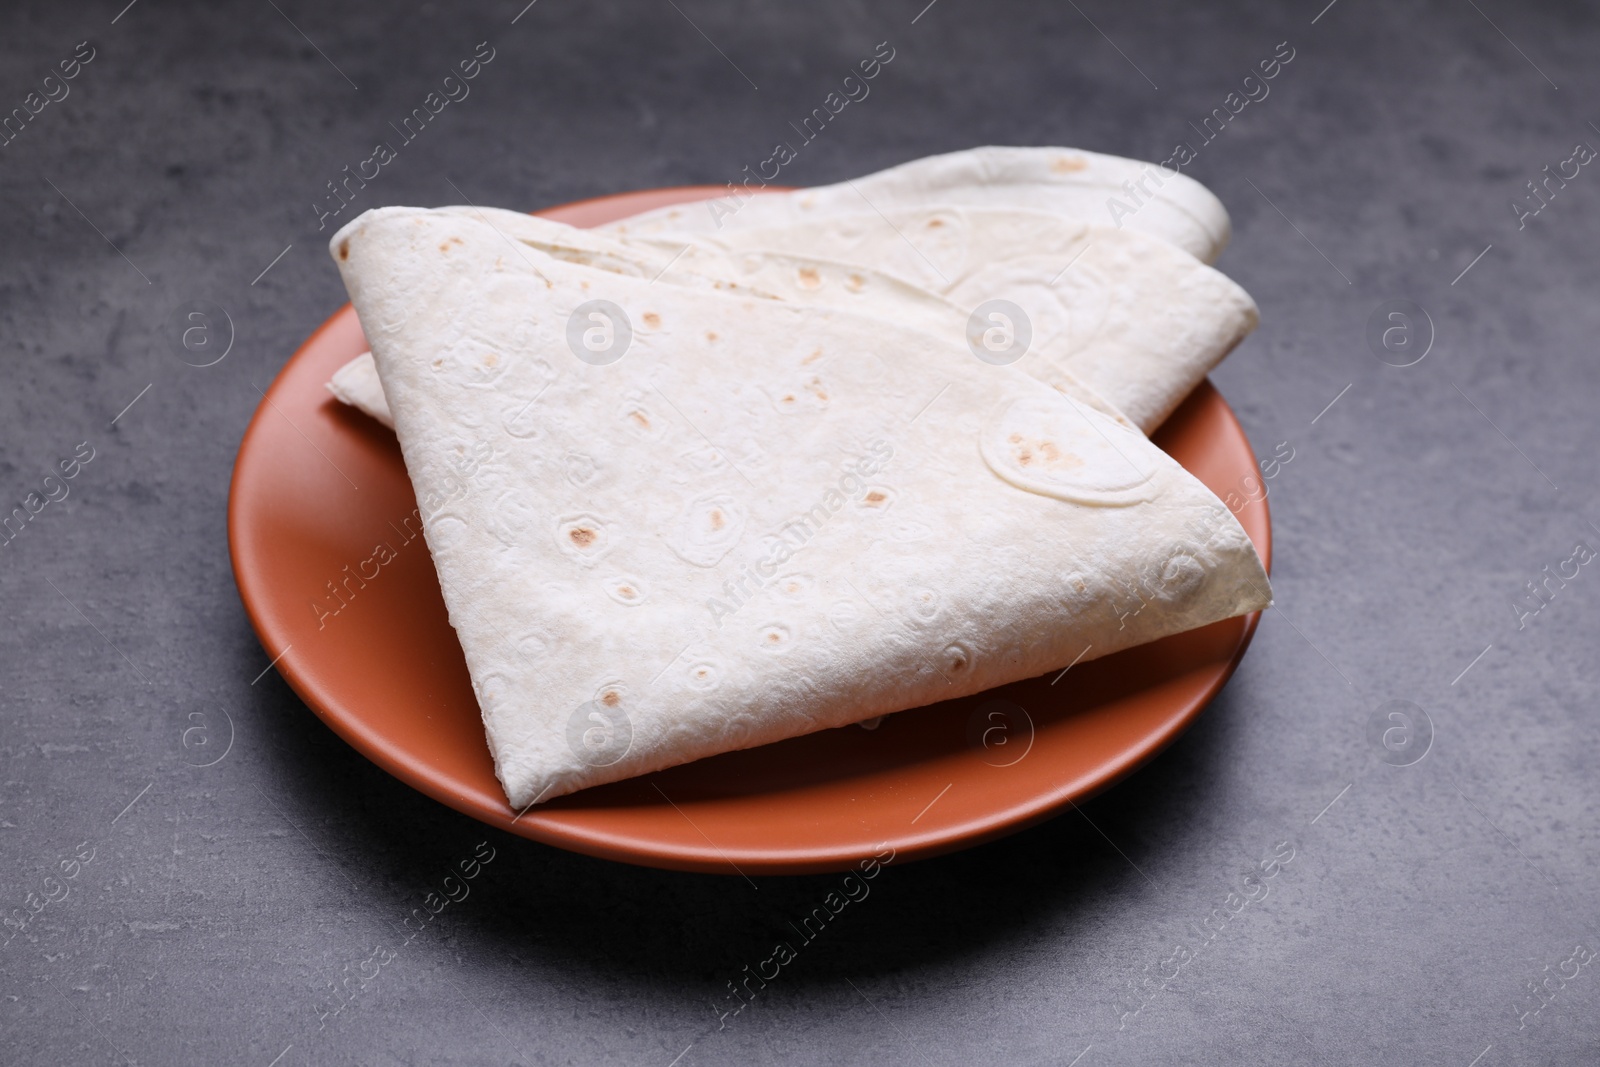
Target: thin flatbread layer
(357, 384)
(934, 246)
(1139, 320)
(761, 519)
(1078, 186)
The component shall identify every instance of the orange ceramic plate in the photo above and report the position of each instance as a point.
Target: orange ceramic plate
(317, 486)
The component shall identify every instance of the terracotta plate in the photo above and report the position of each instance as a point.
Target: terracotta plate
(318, 486)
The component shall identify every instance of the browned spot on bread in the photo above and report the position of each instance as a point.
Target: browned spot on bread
(652, 320)
(789, 399)
(638, 417)
(626, 591)
(344, 250)
(875, 498)
(812, 358)
(934, 224)
(1067, 164)
(718, 520)
(855, 283)
(491, 359)
(582, 536)
(773, 637)
(808, 278)
(611, 698)
(444, 246)
(1045, 454)
(711, 335)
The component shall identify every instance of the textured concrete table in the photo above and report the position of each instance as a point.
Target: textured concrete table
(1300, 879)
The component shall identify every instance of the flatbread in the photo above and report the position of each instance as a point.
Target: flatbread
(357, 384)
(1076, 185)
(1139, 321)
(934, 246)
(685, 521)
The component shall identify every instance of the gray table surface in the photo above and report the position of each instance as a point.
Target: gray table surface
(1423, 902)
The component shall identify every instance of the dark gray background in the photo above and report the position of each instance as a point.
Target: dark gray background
(220, 905)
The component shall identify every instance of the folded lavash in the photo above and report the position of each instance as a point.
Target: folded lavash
(738, 520)
(1138, 320)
